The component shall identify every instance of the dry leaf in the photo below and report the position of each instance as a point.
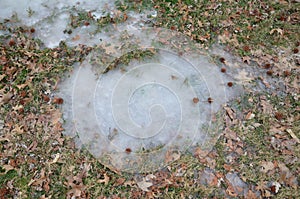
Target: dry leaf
(251, 195)
(280, 31)
(57, 156)
(109, 49)
(44, 197)
(230, 112)
(120, 181)
(58, 101)
(76, 38)
(200, 153)
(21, 86)
(144, 185)
(266, 166)
(6, 97)
(76, 190)
(150, 177)
(18, 129)
(246, 59)
(249, 116)
(171, 156)
(2, 77)
(105, 180)
(244, 76)
(7, 167)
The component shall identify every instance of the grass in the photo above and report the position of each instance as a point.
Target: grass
(32, 138)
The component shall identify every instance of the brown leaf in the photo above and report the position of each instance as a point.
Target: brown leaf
(18, 129)
(244, 76)
(171, 156)
(266, 166)
(105, 180)
(230, 191)
(46, 186)
(198, 152)
(21, 86)
(2, 77)
(125, 17)
(7, 167)
(144, 185)
(251, 195)
(44, 197)
(266, 106)
(278, 30)
(120, 181)
(109, 49)
(249, 116)
(4, 192)
(76, 38)
(6, 98)
(76, 191)
(230, 112)
(46, 98)
(58, 101)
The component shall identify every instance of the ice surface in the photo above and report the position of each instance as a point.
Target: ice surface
(147, 105)
(51, 18)
(30, 12)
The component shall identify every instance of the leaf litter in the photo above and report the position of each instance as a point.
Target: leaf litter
(262, 150)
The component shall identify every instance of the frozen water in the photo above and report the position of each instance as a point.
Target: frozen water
(30, 12)
(51, 18)
(157, 106)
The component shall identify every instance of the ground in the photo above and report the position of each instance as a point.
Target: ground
(256, 156)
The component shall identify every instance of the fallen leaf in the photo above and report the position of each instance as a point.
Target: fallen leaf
(76, 191)
(7, 167)
(2, 77)
(280, 31)
(249, 116)
(44, 197)
(18, 129)
(120, 181)
(230, 112)
(251, 195)
(230, 191)
(109, 49)
(6, 97)
(58, 101)
(200, 153)
(244, 76)
(171, 156)
(150, 177)
(144, 185)
(76, 38)
(266, 166)
(266, 106)
(246, 59)
(105, 180)
(21, 86)
(57, 156)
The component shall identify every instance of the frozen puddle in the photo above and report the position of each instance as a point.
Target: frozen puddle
(138, 107)
(144, 95)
